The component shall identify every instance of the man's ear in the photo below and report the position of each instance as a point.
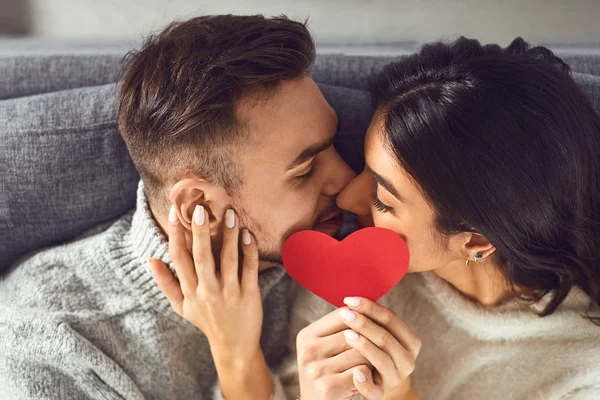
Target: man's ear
(191, 191)
(185, 195)
(477, 244)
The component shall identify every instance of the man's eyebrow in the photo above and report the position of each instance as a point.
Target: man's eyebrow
(311, 151)
(386, 185)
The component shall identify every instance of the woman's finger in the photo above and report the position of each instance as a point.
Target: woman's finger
(167, 284)
(337, 386)
(250, 264)
(229, 253)
(380, 338)
(389, 320)
(325, 326)
(181, 257)
(363, 382)
(321, 348)
(344, 361)
(378, 358)
(201, 249)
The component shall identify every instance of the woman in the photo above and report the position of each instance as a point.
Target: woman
(486, 161)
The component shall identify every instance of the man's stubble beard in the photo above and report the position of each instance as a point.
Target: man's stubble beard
(268, 252)
(269, 247)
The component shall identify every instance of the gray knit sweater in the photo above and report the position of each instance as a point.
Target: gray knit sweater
(86, 320)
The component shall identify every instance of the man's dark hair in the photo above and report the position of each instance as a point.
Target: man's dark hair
(503, 142)
(178, 94)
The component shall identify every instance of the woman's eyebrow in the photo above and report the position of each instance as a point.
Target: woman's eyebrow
(386, 184)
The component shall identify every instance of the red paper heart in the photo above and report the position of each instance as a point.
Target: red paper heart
(367, 263)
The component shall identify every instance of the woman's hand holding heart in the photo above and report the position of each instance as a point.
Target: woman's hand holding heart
(390, 346)
(364, 347)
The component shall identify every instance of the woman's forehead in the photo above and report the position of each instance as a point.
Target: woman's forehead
(380, 158)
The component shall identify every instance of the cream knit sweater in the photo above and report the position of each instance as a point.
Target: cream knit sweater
(471, 352)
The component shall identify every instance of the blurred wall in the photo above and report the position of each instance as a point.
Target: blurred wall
(15, 18)
(331, 20)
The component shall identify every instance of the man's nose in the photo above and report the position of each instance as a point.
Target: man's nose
(355, 196)
(344, 174)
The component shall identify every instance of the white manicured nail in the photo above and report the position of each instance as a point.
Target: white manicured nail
(199, 215)
(359, 376)
(352, 301)
(230, 218)
(173, 215)
(351, 335)
(246, 239)
(347, 314)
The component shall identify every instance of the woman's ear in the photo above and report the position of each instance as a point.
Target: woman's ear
(477, 247)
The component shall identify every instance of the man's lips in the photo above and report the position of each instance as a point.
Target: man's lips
(330, 224)
(332, 215)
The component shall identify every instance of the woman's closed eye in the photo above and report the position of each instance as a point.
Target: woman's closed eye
(379, 205)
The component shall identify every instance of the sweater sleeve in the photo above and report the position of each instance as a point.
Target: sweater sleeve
(45, 358)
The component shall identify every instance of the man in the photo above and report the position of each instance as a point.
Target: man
(216, 111)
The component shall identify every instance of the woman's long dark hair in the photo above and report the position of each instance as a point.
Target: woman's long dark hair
(503, 142)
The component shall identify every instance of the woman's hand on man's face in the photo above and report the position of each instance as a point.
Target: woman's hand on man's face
(226, 309)
(375, 357)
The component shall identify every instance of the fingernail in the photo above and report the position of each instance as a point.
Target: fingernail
(230, 218)
(359, 376)
(352, 301)
(347, 314)
(173, 215)
(199, 215)
(151, 265)
(351, 335)
(246, 239)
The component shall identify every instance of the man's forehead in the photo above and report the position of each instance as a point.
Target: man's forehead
(283, 125)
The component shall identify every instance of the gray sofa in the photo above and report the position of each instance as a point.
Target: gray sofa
(65, 169)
